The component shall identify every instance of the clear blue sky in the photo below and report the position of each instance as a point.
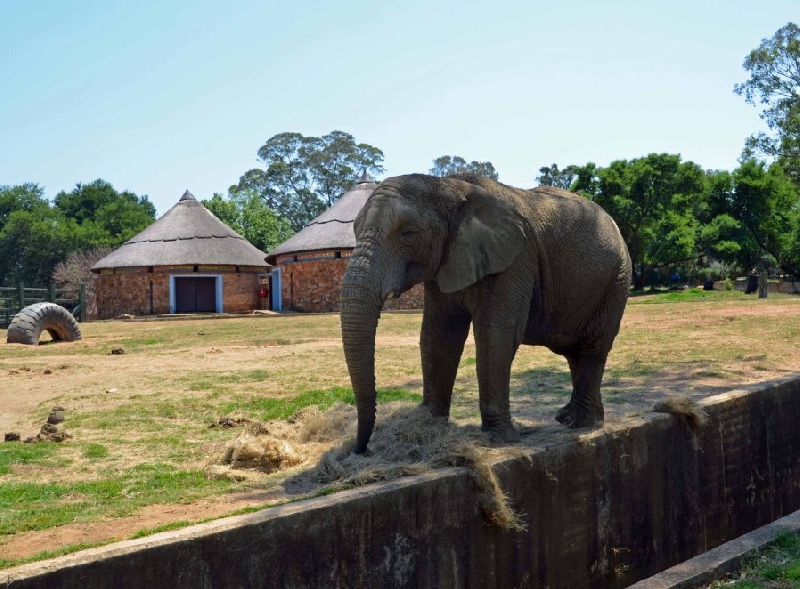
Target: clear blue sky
(158, 97)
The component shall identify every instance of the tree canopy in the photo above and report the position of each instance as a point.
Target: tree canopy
(774, 82)
(118, 215)
(246, 213)
(35, 236)
(449, 165)
(303, 176)
(675, 216)
(653, 200)
(552, 176)
(766, 209)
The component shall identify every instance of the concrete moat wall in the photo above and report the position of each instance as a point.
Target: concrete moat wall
(605, 510)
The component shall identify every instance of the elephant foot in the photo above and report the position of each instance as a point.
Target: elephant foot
(502, 434)
(574, 416)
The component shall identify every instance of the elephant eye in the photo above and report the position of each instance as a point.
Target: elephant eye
(409, 234)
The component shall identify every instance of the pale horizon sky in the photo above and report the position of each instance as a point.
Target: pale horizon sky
(158, 98)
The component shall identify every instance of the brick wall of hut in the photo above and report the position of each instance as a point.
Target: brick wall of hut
(313, 284)
(145, 291)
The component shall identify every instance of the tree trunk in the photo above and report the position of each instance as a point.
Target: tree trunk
(762, 284)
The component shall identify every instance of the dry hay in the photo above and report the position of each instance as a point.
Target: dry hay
(684, 408)
(407, 441)
(273, 446)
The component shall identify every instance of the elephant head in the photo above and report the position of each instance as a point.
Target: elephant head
(417, 229)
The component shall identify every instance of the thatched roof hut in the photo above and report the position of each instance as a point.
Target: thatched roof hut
(310, 264)
(187, 261)
(187, 234)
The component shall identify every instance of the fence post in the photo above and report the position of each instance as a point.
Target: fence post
(51, 293)
(21, 295)
(82, 303)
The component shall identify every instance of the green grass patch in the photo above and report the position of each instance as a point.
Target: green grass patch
(35, 506)
(94, 451)
(266, 408)
(776, 566)
(14, 453)
(684, 296)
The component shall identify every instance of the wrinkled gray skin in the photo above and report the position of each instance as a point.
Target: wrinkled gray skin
(537, 267)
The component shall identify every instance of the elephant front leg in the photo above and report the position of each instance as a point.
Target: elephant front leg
(441, 345)
(585, 407)
(496, 348)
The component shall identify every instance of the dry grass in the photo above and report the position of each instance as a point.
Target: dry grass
(684, 408)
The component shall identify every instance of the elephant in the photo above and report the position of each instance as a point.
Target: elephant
(537, 267)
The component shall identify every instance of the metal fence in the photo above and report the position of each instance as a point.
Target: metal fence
(14, 298)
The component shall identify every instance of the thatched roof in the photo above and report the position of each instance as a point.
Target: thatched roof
(333, 229)
(188, 233)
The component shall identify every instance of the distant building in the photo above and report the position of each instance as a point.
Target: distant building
(188, 261)
(309, 266)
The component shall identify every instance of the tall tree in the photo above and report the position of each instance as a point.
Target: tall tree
(552, 176)
(586, 181)
(120, 214)
(448, 165)
(246, 213)
(766, 205)
(719, 234)
(24, 197)
(306, 175)
(35, 236)
(774, 82)
(33, 242)
(653, 200)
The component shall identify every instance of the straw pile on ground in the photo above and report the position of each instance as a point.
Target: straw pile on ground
(407, 441)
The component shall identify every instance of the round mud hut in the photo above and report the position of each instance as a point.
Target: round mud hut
(187, 261)
(309, 266)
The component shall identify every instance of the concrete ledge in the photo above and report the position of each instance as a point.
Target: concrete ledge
(606, 509)
(717, 562)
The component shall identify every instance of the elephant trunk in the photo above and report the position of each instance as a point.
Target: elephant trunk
(361, 308)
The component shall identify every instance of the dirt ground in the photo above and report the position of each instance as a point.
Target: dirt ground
(533, 414)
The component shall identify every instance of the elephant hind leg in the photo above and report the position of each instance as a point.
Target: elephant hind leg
(585, 407)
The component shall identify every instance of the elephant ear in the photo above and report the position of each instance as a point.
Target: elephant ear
(486, 238)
